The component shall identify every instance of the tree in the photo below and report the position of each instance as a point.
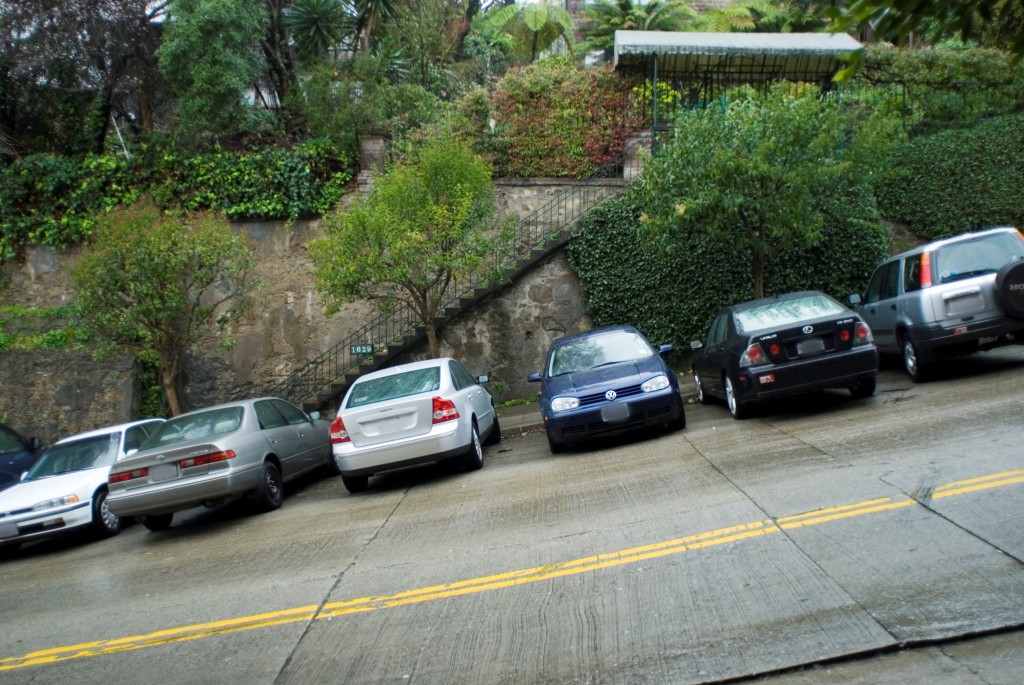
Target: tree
(899, 19)
(537, 26)
(608, 16)
(749, 173)
(425, 226)
(154, 282)
(319, 27)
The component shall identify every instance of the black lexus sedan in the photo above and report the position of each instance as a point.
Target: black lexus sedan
(783, 345)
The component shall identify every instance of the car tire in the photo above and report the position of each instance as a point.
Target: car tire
(355, 484)
(473, 458)
(865, 388)
(914, 361)
(1010, 289)
(157, 522)
(270, 492)
(555, 446)
(738, 409)
(702, 396)
(105, 523)
(494, 437)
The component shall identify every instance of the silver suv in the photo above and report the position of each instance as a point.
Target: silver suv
(949, 297)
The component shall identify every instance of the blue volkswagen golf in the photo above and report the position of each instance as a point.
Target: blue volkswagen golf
(605, 382)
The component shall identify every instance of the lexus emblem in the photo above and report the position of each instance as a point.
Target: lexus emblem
(610, 395)
(808, 330)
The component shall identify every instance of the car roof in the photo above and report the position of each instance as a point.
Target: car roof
(107, 430)
(762, 301)
(592, 332)
(935, 244)
(402, 368)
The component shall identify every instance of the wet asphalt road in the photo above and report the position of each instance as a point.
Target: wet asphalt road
(825, 533)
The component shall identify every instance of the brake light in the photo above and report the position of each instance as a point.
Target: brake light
(338, 432)
(127, 475)
(926, 269)
(753, 356)
(863, 334)
(205, 459)
(444, 410)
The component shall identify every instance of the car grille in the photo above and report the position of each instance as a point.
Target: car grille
(598, 427)
(599, 397)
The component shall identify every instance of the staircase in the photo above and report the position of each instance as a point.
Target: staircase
(326, 378)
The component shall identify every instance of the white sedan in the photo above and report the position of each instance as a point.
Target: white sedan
(66, 490)
(412, 414)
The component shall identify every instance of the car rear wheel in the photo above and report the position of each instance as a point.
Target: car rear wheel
(494, 437)
(914, 361)
(355, 484)
(270, 493)
(701, 395)
(865, 388)
(105, 523)
(157, 522)
(738, 409)
(473, 459)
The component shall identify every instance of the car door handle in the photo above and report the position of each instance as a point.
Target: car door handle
(892, 307)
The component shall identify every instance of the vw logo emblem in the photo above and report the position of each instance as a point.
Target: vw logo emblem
(808, 330)
(610, 395)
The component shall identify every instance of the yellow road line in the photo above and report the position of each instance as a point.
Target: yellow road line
(504, 580)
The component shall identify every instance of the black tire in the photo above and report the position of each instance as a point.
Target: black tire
(270, 492)
(494, 437)
(915, 363)
(105, 523)
(157, 522)
(702, 396)
(738, 409)
(355, 484)
(473, 458)
(865, 388)
(1010, 289)
(555, 446)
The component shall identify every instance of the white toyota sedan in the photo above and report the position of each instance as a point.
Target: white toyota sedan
(412, 414)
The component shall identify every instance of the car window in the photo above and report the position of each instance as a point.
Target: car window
(268, 416)
(292, 414)
(78, 455)
(461, 377)
(718, 330)
(786, 312)
(912, 273)
(598, 350)
(978, 256)
(884, 282)
(137, 435)
(9, 443)
(395, 386)
(195, 426)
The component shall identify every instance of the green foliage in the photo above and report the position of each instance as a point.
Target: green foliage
(605, 17)
(535, 26)
(48, 328)
(556, 118)
(958, 180)
(150, 281)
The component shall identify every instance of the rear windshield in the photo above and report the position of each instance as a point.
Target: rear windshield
(393, 387)
(978, 256)
(786, 312)
(206, 424)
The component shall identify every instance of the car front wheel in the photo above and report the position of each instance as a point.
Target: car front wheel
(701, 395)
(105, 523)
(555, 446)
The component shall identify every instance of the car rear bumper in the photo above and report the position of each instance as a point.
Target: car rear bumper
(837, 370)
(650, 409)
(42, 524)
(934, 337)
(444, 440)
(178, 495)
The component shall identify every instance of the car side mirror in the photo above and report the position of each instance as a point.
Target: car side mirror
(534, 377)
(665, 349)
(128, 453)
(482, 378)
(854, 299)
(314, 416)
(696, 344)
(35, 443)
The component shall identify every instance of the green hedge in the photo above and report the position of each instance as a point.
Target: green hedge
(957, 180)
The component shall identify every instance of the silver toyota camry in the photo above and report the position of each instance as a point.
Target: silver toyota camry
(209, 456)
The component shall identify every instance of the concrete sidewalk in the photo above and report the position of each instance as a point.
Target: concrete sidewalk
(520, 418)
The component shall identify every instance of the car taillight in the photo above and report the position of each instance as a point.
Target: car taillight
(774, 349)
(926, 269)
(338, 432)
(862, 335)
(753, 356)
(444, 410)
(127, 475)
(844, 335)
(205, 459)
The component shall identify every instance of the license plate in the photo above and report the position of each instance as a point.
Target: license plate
(615, 412)
(810, 346)
(8, 530)
(163, 472)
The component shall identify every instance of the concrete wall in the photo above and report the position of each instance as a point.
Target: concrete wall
(508, 336)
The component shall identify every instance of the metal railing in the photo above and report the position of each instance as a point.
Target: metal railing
(323, 378)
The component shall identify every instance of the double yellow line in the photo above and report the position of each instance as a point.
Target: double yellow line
(512, 578)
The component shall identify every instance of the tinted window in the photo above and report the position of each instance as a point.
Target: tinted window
(718, 329)
(292, 414)
(884, 282)
(912, 273)
(786, 312)
(461, 377)
(268, 416)
(394, 386)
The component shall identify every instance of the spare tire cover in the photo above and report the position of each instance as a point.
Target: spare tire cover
(1010, 288)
